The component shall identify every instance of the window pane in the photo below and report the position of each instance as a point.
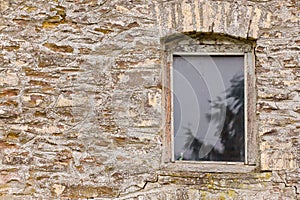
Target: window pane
(208, 105)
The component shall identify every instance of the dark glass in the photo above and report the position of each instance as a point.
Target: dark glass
(208, 104)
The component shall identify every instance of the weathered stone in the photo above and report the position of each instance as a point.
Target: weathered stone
(278, 160)
(9, 78)
(17, 158)
(9, 93)
(57, 48)
(82, 98)
(4, 5)
(90, 192)
(58, 189)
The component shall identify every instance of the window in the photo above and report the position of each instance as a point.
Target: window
(210, 100)
(208, 108)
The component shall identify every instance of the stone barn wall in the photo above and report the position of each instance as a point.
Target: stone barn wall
(81, 98)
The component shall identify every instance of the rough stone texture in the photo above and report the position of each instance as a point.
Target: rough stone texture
(81, 113)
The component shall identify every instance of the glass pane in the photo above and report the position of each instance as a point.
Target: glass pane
(208, 104)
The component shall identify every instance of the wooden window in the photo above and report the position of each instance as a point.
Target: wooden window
(209, 101)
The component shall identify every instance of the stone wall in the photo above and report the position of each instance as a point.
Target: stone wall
(81, 105)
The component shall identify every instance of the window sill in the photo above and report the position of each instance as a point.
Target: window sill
(214, 167)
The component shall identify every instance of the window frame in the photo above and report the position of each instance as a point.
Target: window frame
(181, 47)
